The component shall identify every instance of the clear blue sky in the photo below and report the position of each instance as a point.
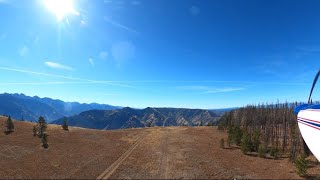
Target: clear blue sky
(160, 53)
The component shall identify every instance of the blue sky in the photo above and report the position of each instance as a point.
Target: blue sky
(161, 53)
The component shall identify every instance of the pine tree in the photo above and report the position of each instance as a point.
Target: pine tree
(256, 140)
(9, 126)
(246, 144)
(65, 125)
(44, 140)
(230, 135)
(42, 126)
(301, 165)
(237, 135)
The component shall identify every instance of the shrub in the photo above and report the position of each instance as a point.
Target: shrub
(262, 150)
(274, 152)
(222, 143)
(301, 165)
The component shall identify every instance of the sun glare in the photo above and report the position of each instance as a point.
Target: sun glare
(61, 8)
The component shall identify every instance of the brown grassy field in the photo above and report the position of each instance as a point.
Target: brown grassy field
(160, 152)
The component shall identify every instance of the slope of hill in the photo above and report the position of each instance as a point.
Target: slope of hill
(128, 117)
(138, 153)
(21, 106)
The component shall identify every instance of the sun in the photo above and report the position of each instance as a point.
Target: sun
(61, 8)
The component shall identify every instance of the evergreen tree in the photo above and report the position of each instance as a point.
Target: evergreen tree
(9, 126)
(65, 125)
(237, 135)
(42, 126)
(301, 165)
(44, 140)
(246, 144)
(230, 135)
(256, 140)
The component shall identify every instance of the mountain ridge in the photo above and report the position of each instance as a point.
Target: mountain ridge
(21, 106)
(129, 118)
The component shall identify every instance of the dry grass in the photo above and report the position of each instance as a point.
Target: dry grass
(170, 152)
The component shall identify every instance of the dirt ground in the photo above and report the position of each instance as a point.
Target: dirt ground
(146, 153)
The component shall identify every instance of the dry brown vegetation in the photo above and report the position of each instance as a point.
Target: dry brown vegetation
(160, 152)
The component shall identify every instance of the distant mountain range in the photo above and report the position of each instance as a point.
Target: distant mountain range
(128, 117)
(221, 111)
(20, 106)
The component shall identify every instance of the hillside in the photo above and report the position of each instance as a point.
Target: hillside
(128, 117)
(139, 153)
(21, 106)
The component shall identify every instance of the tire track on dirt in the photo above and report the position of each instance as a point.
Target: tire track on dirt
(163, 170)
(113, 167)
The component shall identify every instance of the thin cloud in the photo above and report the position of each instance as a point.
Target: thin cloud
(103, 55)
(83, 23)
(46, 83)
(194, 87)
(220, 90)
(55, 65)
(123, 51)
(208, 89)
(91, 62)
(24, 51)
(119, 25)
(66, 77)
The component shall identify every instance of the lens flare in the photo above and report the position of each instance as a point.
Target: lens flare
(61, 8)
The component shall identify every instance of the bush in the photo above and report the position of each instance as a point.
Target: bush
(222, 143)
(301, 165)
(262, 150)
(274, 152)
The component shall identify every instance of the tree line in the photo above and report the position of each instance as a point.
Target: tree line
(266, 129)
(39, 129)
